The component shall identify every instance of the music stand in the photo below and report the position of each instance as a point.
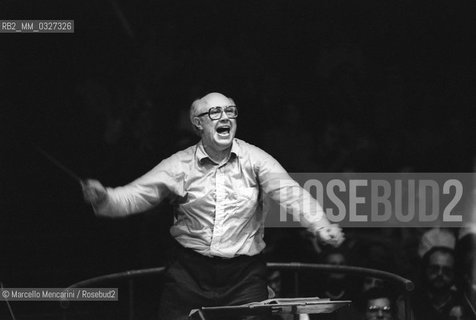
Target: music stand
(270, 307)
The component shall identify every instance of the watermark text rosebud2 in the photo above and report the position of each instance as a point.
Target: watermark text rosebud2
(374, 199)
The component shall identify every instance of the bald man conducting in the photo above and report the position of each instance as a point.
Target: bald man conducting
(217, 187)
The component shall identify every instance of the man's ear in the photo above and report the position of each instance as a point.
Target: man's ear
(197, 123)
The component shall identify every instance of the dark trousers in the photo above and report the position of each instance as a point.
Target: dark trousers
(192, 281)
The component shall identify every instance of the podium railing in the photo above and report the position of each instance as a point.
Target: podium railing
(404, 285)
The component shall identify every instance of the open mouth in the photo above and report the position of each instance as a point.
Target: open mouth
(224, 130)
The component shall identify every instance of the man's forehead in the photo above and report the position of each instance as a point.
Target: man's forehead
(439, 257)
(379, 301)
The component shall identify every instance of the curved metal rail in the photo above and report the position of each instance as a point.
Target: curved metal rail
(405, 285)
(118, 276)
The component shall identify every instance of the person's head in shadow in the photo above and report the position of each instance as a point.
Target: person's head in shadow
(438, 268)
(370, 282)
(459, 312)
(336, 283)
(377, 303)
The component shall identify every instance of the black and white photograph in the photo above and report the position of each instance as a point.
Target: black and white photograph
(273, 159)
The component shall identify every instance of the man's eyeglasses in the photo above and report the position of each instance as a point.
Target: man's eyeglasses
(375, 309)
(215, 113)
(436, 269)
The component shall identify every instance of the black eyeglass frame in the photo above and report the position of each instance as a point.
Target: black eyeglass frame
(222, 109)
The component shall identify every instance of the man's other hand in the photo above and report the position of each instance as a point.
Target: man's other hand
(332, 235)
(93, 192)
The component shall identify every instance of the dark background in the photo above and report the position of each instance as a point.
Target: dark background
(324, 86)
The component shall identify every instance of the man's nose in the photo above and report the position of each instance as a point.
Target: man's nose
(440, 271)
(224, 116)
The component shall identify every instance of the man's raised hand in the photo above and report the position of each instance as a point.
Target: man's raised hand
(332, 234)
(93, 192)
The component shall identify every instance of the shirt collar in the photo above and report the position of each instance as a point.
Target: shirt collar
(202, 154)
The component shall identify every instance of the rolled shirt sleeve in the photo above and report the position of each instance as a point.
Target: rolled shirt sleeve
(143, 193)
